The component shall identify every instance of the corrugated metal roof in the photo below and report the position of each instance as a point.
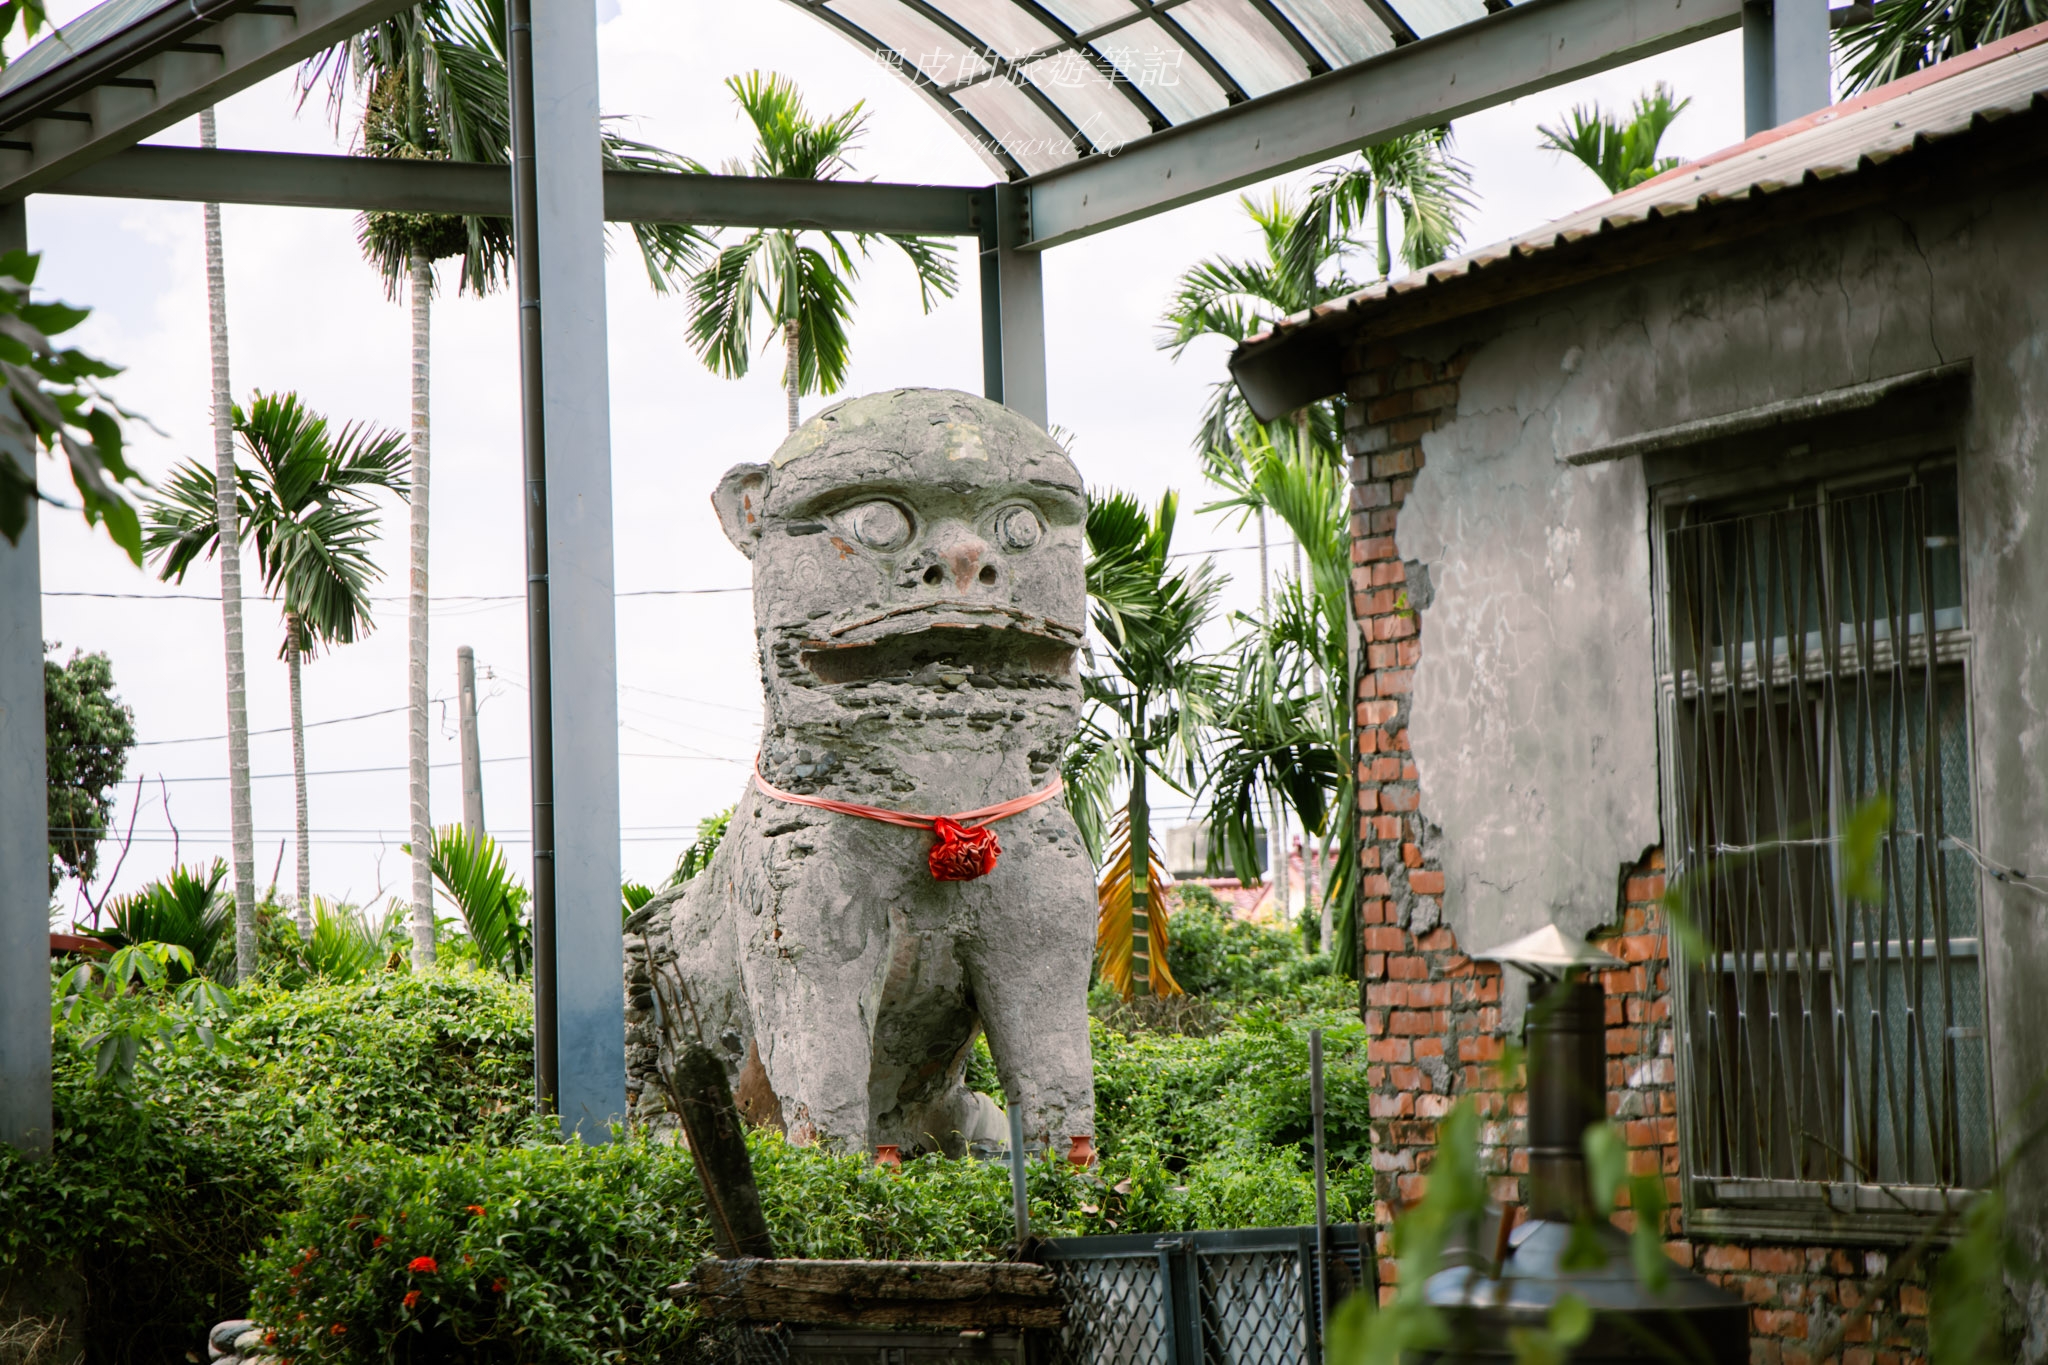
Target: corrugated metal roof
(2000, 79)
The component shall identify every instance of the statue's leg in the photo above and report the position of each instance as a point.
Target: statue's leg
(811, 925)
(1028, 960)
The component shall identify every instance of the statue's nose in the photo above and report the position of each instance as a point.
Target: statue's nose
(965, 556)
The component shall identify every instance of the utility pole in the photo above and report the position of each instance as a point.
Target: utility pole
(472, 763)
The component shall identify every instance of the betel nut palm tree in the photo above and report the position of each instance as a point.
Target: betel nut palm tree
(1415, 175)
(304, 499)
(1623, 155)
(241, 825)
(1148, 709)
(1284, 722)
(798, 282)
(434, 84)
(1234, 299)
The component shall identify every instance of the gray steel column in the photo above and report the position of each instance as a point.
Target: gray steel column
(1801, 81)
(1758, 93)
(24, 825)
(576, 397)
(1012, 308)
(1786, 75)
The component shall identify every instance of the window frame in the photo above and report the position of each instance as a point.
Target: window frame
(1873, 453)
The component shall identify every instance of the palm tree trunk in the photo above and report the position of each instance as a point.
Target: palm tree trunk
(1140, 822)
(304, 886)
(241, 822)
(422, 280)
(792, 343)
(1313, 873)
(1276, 850)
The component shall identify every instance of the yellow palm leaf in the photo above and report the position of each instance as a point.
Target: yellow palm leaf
(1113, 919)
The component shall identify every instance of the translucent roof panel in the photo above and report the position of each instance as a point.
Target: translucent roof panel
(1039, 84)
(1029, 137)
(1006, 30)
(1101, 108)
(1160, 67)
(1431, 17)
(1343, 31)
(1255, 53)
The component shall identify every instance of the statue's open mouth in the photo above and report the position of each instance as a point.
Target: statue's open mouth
(945, 641)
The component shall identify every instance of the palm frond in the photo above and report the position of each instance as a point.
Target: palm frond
(181, 521)
(472, 873)
(1900, 37)
(1113, 937)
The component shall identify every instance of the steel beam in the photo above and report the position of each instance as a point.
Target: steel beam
(194, 175)
(47, 132)
(24, 824)
(1519, 51)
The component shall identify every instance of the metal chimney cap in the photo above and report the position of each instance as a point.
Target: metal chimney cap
(1547, 954)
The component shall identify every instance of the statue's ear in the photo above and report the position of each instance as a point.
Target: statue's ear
(739, 500)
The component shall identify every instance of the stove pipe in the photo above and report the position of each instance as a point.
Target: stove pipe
(1689, 1319)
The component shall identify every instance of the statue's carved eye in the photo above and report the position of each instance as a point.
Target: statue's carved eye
(1018, 528)
(879, 525)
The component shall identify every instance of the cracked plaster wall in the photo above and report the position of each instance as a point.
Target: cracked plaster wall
(1534, 707)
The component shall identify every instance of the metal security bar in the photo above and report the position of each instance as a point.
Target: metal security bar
(1242, 1297)
(1817, 659)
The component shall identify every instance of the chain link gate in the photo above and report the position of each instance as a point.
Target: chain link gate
(1244, 1296)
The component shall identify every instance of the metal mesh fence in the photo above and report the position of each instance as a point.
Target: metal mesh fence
(1239, 1297)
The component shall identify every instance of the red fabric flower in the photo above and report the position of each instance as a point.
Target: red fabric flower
(477, 1209)
(423, 1265)
(963, 852)
(412, 1298)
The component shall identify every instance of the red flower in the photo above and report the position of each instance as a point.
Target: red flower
(497, 1286)
(469, 1260)
(412, 1298)
(423, 1265)
(377, 1241)
(294, 1271)
(336, 1330)
(477, 1209)
(270, 1338)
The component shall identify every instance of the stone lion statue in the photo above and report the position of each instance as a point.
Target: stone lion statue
(918, 602)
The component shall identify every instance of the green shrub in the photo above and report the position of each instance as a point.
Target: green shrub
(1217, 956)
(158, 1191)
(557, 1253)
(1191, 1099)
(526, 1255)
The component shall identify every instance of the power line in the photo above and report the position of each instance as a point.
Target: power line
(699, 756)
(278, 729)
(452, 598)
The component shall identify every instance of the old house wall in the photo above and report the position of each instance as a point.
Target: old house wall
(1507, 701)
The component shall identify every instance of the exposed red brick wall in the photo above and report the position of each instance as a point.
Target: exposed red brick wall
(1434, 1014)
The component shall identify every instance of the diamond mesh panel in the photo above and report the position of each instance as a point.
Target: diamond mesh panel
(1116, 1313)
(1251, 1309)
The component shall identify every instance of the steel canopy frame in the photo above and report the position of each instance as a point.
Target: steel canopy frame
(1418, 85)
(71, 127)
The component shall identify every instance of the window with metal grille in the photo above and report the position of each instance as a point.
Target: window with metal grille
(1816, 656)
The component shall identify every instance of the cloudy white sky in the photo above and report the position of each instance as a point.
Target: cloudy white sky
(307, 313)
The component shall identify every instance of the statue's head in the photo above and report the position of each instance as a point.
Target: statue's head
(912, 531)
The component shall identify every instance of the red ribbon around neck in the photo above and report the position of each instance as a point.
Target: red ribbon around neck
(966, 846)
